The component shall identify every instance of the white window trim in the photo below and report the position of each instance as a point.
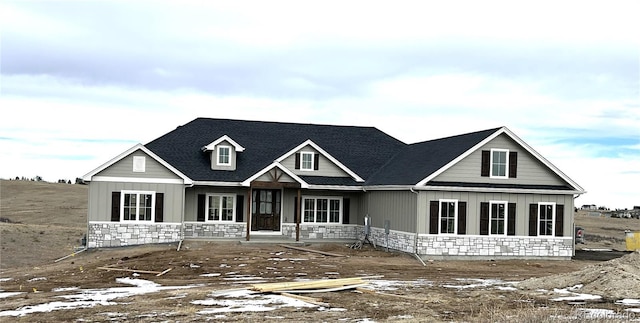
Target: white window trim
(220, 195)
(455, 217)
(553, 218)
(139, 164)
(506, 217)
(137, 220)
(302, 154)
(315, 210)
(218, 155)
(506, 169)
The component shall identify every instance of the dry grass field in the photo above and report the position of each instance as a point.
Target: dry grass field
(208, 280)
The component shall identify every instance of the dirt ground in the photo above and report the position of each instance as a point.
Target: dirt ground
(441, 291)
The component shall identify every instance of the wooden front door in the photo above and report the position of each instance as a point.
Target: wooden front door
(265, 206)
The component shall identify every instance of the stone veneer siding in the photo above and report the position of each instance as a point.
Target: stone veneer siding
(397, 240)
(116, 234)
(495, 247)
(196, 230)
(323, 231)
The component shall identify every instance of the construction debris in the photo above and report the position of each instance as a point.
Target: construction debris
(157, 273)
(314, 251)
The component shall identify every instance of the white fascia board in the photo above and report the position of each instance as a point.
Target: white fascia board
(544, 160)
(496, 190)
(213, 183)
(136, 180)
(247, 182)
(335, 187)
(517, 139)
(212, 145)
(309, 142)
(461, 157)
(88, 177)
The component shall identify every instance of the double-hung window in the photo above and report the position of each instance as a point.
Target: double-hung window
(306, 161)
(321, 209)
(448, 216)
(220, 207)
(499, 163)
(224, 155)
(546, 219)
(137, 206)
(497, 217)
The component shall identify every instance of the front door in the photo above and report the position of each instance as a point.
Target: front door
(265, 214)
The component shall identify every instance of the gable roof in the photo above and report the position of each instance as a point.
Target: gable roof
(88, 177)
(212, 146)
(411, 164)
(265, 142)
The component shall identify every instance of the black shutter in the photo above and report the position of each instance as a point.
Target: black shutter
(513, 164)
(239, 208)
(533, 220)
(201, 205)
(115, 206)
(297, 166)
(485, 164)
(511, 219)
(462, 217)
(433, 217)
(159, 207)
(559, 220)
(346, 203)
(484, 218)
(316, 161)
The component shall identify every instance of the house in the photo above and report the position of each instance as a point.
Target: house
(484, 194)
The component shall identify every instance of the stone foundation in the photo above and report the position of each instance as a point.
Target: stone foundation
(200, 230)
(116, 234)
(322, 231)
(397, 240)
(495, 246)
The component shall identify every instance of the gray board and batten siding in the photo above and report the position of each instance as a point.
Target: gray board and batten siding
(100, 198)
(124, 168)
(530, 170)
(325, 167)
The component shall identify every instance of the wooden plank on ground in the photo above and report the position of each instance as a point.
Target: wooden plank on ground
(310, 300)
(131, 270)
(314, 251)
(326, 283)
(164, 272)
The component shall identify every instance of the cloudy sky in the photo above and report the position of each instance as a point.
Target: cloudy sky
(82, 81)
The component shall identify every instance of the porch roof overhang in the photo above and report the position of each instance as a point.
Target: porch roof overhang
(276, 164)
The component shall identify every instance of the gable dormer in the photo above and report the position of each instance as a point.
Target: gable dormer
(309, 159)
(223, 153)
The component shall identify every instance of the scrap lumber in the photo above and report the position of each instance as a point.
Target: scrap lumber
(71, 255)
(325, 290)
(291, 286)
(164, 272)
(310, 300)
(314, 251)
(370, 291)
(131, 270)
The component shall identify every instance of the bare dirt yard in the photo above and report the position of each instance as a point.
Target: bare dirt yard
(211, 280)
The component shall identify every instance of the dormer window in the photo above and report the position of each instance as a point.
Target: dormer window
(499, 163)
(224, 155)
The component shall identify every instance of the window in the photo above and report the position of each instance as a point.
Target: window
(499, 162)
(139, 164)
(306, 161)
(220, 207)
(321, 209)
(546, 219)
(498, 217)
(224, 155)
(137, 206)
(448, 216)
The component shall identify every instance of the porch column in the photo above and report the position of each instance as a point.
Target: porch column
(249, 213)
(298, 216)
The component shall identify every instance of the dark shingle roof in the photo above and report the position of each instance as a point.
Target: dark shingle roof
(266, 141)
(372, 154)
(417, 161)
